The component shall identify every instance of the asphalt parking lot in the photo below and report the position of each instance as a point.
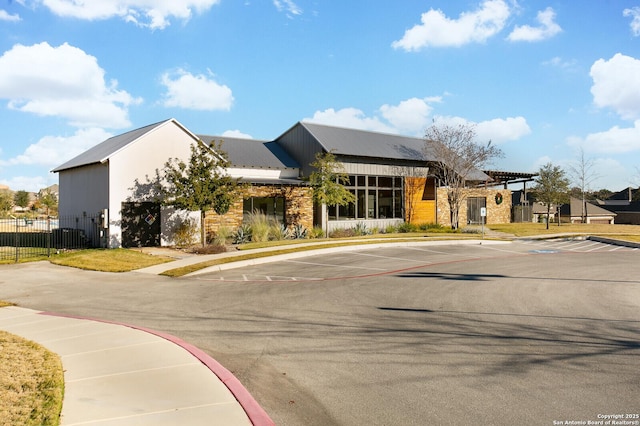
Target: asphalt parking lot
(527, 332)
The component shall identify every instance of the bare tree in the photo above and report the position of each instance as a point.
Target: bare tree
(458, 160)
(583, 176)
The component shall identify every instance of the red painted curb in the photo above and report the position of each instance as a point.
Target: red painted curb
(254, 411)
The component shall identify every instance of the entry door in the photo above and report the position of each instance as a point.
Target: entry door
(140, 224)
(474, 204)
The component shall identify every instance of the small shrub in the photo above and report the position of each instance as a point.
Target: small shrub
(185, 233)
(316, 232)
(361, 229)
(390, 229)
(432, 227)
(342, 233)
(222, 235)
(278, 232)
(299, 232)
(242, 235)
(407, 227)
(260, 226)
(210, 249)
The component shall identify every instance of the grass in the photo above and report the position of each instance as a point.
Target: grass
(529, 229)
(108, 260)
(31, 382)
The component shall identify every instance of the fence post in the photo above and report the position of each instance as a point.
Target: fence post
(17, 240)
(48, 236)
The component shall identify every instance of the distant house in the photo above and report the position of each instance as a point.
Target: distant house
(576, 210)
(625, 204)
(108, 190)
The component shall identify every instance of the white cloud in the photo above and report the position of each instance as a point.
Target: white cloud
(236, 134)
(55, 150)
(154, 14)
(438, 30)
(197, 92)
(349, 117)
(288, 6)
(615, 140)
(547, 29)
(29, 183)
(410, 116)
(62, 82)
(635, 22)
(501, 130)
(497, 130)
(616, 85)
(565, 65)
(4, 16)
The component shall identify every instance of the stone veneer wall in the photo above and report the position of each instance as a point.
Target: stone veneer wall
(298, 207)
(496, 213)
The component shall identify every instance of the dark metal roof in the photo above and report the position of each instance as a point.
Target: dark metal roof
(501, 176)
(101, 152)
(253, 153)
(361, 143)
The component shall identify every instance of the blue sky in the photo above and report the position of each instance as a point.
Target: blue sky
(544, 80)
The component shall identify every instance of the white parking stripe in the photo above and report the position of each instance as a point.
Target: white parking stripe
(388, 257)
(334, 266)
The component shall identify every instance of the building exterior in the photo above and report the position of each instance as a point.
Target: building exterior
(390, 176)
(575, 211)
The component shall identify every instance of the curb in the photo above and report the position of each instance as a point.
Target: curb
(256, 414)
(614, 242)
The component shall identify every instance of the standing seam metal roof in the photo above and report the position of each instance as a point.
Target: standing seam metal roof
(253, 153)
(101, 152)
(361, 143)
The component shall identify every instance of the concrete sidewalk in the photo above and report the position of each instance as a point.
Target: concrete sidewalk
(119, 375)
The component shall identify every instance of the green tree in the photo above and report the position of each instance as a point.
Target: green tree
(327, 181)
(6, 202)
(21, 198)
(458, 160)
(49, 200)
(201, 184)
(552, 187)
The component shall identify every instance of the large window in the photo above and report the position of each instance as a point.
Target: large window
(377, 197)
(272, 207)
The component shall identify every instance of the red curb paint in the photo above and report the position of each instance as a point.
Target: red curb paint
(254, 411)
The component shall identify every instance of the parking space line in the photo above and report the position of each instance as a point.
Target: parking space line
(335, 266)
(389, 257)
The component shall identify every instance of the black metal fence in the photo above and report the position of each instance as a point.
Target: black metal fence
(24, 237)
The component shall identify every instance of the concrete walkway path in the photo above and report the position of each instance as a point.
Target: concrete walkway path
(120, 375)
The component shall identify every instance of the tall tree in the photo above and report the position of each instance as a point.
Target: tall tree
(552, 187)
(21, 198)
(328, 180)
(201, 184)
(583, 176)
(458, 160)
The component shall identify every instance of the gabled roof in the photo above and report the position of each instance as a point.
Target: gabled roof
(252, 153)
(101, 152)
(361, 143)
(626, 194)
(574, 208)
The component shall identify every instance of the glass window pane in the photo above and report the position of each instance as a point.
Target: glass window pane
(372, 204)
(372, 181)
(385, 203)
(385, 182)
(397, 204)
(361, 181)
(362, 204)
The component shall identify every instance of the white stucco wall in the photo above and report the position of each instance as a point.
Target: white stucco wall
(140, 160)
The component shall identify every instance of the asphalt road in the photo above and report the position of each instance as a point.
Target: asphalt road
(510, 334)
